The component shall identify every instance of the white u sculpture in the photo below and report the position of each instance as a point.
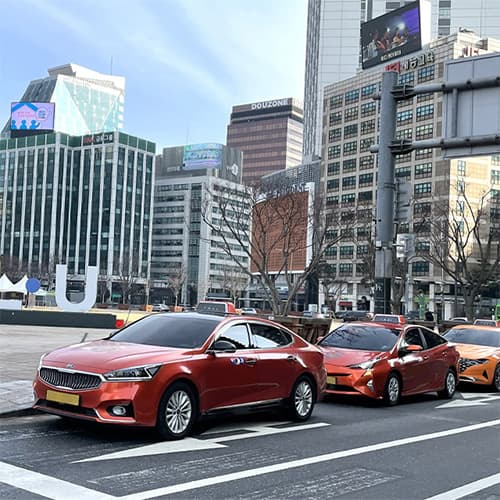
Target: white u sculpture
(90, 290)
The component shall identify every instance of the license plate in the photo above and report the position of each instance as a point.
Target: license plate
(331, 380)
(63, 397)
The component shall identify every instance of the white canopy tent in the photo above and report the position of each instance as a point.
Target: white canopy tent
(7, 286)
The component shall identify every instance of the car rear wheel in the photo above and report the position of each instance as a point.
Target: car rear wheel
(392, 391)
(177, 412)
(302, 400)
(496, 379)
(450, 385)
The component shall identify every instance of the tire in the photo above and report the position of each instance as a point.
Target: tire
(302, 399)
(178, 411)
(496, 379)
(392, 390)
(450, 385)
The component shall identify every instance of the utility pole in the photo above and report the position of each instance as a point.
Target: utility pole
(384, 227)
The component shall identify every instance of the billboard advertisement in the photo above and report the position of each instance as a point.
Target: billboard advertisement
(32, 116)
(202, 156)
(392, 35)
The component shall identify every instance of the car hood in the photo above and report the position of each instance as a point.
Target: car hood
(345, 357)
(102, 356)
(473, 351)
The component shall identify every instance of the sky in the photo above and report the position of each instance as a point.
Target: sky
(186, 62)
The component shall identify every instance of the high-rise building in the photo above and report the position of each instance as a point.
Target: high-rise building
(81, 201)
(333, 43)
(270, 135)
(351, 126)
(86, 102)
(191, 183)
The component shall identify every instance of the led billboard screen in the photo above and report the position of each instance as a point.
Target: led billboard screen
(392, 35)
(202, 156)
(32, 116)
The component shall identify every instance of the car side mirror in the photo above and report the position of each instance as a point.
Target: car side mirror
(410, 349)
(222, 346)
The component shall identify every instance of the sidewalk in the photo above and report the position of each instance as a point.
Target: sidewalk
(20, 350)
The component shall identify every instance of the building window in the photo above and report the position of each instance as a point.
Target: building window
(348, 199)
(461, 167)
(423, 170)
(335, 118)
(334, 168)
(422, 208)
(368, 109)
(332, 185)
(402, 158)
(422, 190)
(345, 269)
(368, 90)
(420, 268)
(424, 131)
(351, 96)
(349, 165)
(422, 247)
(332, 201)
(351, 114)
(365, 144)
(425, 112)
(423, 154)
(366, 162)
(403, 172)
(406, 133)
(346, 252)
(461, 187)
(331, 252)
(367, 127)
(425, 74)
(406, 78)
(349, 182)
(350, 148)
(495, 176)
(336, 101)
(350, 130)
(404, 117)
(333, 152)
(495, 160)
(495, 196)
(366, 179)
(365, 197)
(334, 134)
(495, 214)
(362, 250)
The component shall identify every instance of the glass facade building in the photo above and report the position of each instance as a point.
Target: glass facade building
(78, 200)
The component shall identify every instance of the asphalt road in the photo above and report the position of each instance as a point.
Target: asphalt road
(423, 448)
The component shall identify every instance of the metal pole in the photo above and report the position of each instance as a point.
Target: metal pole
(385, 196)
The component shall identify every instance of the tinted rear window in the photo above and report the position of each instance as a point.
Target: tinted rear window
(474, 336)
(366, 338)
(173, 330)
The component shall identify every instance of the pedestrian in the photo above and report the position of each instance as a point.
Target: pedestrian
(429, 316)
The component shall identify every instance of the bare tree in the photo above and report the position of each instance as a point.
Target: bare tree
(465, 245)
(175, 281)
(128, 277)
(234, 282)
(283, 234)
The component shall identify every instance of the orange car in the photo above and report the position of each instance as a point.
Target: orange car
(479, 348)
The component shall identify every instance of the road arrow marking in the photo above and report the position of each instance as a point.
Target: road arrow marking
(471, 399)
(193, 444)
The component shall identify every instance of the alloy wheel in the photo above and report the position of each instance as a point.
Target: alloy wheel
(303, 398)
(178, 412)
(393, 389)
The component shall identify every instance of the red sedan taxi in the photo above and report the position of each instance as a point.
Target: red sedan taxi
(388, 361)
(479, 348)
(166, 370)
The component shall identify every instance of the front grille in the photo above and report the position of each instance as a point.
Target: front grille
(77, 410)
(339, 387)
(69, 380)
(465, 363)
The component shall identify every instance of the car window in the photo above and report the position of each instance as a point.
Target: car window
(432, 339)
(167, 330)
(366, 338)
(475, 336)
(266, 336)
(412, 337)
(238, 335)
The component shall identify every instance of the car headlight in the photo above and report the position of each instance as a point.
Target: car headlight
(134, 373)
(366, 365)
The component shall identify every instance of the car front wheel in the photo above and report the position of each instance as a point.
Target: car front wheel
(496, 379)
(302, 400)
(177, 411)
(392, 391)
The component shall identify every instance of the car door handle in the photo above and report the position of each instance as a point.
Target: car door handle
(250, 361)
(291, 358)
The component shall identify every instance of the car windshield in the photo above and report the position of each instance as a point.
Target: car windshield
(475, 336)
(362, 337)
(175, 330)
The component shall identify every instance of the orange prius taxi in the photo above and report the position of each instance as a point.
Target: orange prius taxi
(388, 361)
(166, 370)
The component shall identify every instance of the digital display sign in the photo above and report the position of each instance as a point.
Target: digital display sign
(392, 35)
(32, 116)
(202, 156)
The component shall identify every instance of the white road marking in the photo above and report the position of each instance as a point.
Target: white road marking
(47, 486)
(235, 476)
(471, 399)
(192, 444)
(476, 395)
(58, 489)
(468, 489)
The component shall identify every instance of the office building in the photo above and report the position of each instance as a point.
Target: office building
(351, 126)
(192, 182)
(86, 102)
(270, 135)
(333, 44)
(81, 201)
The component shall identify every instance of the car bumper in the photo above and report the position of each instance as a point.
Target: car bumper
(97, 404)
(479, 374)
(352, 382)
